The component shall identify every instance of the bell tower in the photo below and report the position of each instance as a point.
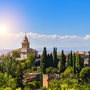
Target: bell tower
(25, 43)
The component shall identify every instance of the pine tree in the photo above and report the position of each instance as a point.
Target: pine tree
(74, 59)
(55, 62)
(62, 62)
(43, 60)
(89, 59)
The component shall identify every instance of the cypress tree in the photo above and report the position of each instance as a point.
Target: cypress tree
(43, 60)
(62, 62)
(78, 63)
(82, 63)
(71, 62)
(55, 57)
(67, 64)
(74, 59)
(48, 61)
(89, 59)
(51, 60)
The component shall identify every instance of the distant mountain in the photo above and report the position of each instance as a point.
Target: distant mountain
(40, 50)
(4, 51)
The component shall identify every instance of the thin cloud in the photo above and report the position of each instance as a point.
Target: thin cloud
(13, 40)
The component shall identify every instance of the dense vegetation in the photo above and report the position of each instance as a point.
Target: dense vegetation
(73, 74)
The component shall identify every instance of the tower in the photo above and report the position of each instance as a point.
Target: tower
(25, 43)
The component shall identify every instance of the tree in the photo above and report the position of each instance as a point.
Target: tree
(9, 64)
(55, 61)
(37, 83)
(19, 75)
(85, 73)
(51, 70)
(7, 81)
(89, 59)
(67, 64)
(71, 62)
(31, 85)
(74, 59)
(43, 60)
(30, 60)
(62, 62)
(41, 78)
(48, 61)
(82, 63)
(51, 60)
(15, 53)
(79, 63)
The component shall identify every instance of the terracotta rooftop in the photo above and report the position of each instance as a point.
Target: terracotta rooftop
(79, 52)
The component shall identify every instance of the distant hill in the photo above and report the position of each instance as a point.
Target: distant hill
(39, 51)
(4, 51)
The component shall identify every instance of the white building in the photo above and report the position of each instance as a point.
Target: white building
(26, 49)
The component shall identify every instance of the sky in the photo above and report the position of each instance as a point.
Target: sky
(64, 24)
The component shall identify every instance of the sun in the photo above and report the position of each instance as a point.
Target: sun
(3, 30)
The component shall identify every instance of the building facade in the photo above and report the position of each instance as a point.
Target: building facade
(48, 77)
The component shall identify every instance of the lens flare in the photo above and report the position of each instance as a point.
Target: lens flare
(3, 29)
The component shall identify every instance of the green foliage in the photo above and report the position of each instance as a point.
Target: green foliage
(74, 60)
(51, 60)
(19, 75)
(30, 60)
(7, 81)
(68, 73)
(79, 64)
(26, 71)
(62, 62)
(31, 85)
(66, 84)
(71, 61)
(67, 64)
(34, 68)
(37, 83)
(85, 73)
(51, 70)
(19, 88)
(9, 64)
(89, 59)
(15, 53)
(7, 88)
(43, 61)
(55, 61)
(30, 57)
(41, 76)
(43, 88)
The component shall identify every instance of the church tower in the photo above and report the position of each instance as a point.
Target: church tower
(25, 43)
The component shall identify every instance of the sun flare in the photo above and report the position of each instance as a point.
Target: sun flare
(3, 30)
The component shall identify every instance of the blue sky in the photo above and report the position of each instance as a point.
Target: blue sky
(67, 19)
